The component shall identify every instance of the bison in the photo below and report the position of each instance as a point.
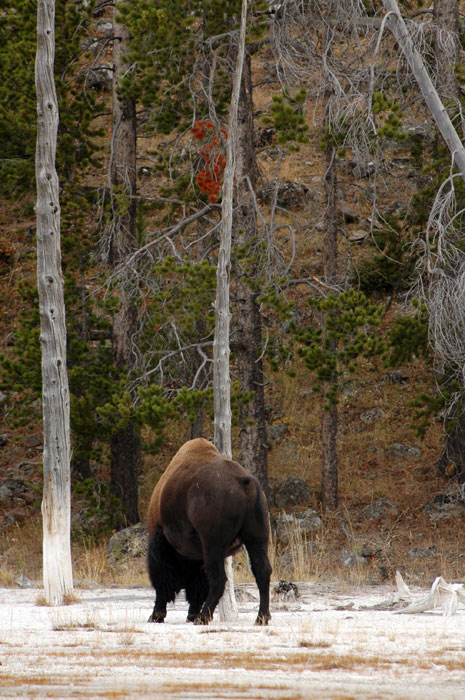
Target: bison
(202, 510)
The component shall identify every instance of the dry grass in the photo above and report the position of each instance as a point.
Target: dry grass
(367, 472)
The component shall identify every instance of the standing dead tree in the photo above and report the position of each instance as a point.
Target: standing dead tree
(221, 370)
(397, 25)
(441, 282)
(56, 503)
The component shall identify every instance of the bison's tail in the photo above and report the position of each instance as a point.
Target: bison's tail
(252, 486)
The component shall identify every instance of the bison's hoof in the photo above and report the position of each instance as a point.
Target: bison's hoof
(263, 619)
(201, 621)
(156, 618)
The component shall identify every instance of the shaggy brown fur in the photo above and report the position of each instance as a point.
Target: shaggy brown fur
(204, 508)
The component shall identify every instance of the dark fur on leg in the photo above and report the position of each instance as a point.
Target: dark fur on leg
(164, 574)
(196, 591)
(170, 573)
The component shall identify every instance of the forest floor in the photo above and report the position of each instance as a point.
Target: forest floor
(328, 644)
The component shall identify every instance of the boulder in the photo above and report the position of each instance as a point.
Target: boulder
(372, 415)
(293, 492)
(423, 552)
(379, 509)
(100, 76)
(275, 433)
(12, 489)
(400, 451)
(130, 543)
(395, 376)
(33, 441)
(289, 195)
(351, 559)
(445, 506)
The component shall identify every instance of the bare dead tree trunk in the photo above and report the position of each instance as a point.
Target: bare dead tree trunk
(125, 444)
(329, 419)
(397, 26)
(446, 42)
(248, 322)
(56, 503)
(221, 375)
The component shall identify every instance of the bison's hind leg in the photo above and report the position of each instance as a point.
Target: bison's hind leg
(214, 569)
(196, 590)
(261, 569)
(164, 572)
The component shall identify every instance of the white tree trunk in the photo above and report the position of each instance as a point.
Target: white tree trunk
(397, 26)
(221, 379)
(56, 503)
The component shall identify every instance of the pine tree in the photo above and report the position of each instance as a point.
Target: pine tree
(17, 103)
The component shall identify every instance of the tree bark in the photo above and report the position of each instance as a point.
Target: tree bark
(329, 420)
(125, 444)
(56, 503)
(248, 322)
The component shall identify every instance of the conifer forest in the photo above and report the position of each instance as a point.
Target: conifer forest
(338, 168)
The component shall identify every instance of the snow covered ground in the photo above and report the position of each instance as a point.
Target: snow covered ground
(325, 644)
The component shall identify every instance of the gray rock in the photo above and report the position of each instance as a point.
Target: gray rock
(12, 488)
(289, 194)
(351, 559)
(24, 582)
(14, 517)
(6, 492)
(105, 28)
(363, 169)
(350, 390)
(400, 451)
(100, 77)
(438, 510)
(381, 508)
(291, 526)
(275, 433)
(4, 437)
(396, 377)
(372, 415)
(293, 492)
(127, 544)
(423, 552)
(3, 398)
(33, 441)
(358, 236)
(348, 213)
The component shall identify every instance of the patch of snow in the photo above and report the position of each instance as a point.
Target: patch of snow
(327, 643)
